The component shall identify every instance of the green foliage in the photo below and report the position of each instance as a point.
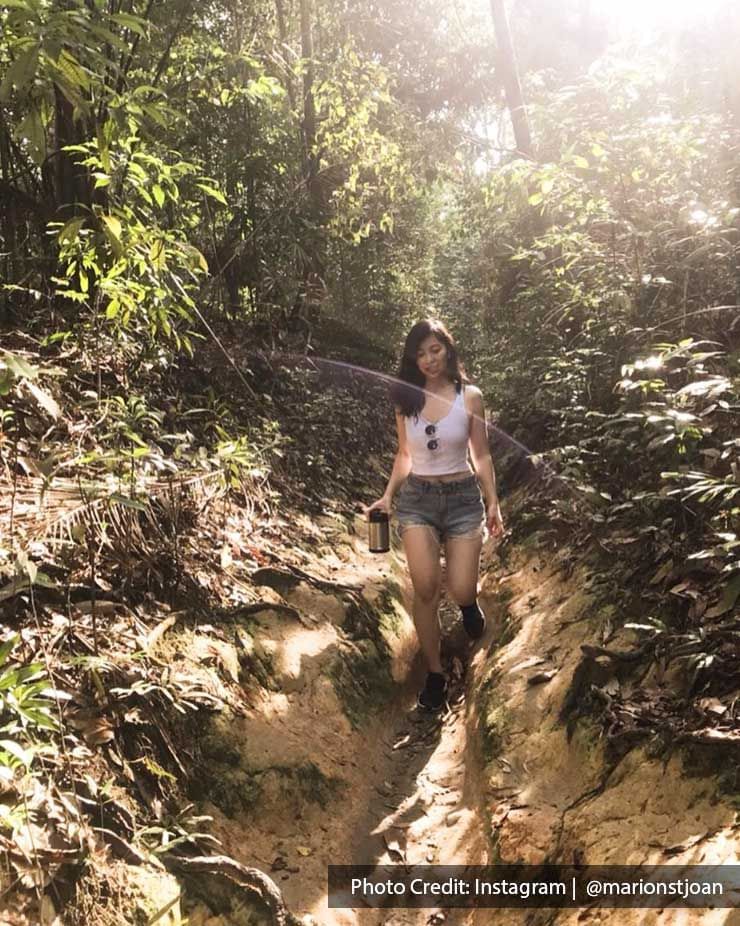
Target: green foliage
(58, 51)
(615, 232)
(358, 138)
(25, 716)
(181, 829)
(17, 377)
(129, 261)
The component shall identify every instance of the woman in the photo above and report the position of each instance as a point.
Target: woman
(439, 418)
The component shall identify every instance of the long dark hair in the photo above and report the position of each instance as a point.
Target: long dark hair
(408, 392)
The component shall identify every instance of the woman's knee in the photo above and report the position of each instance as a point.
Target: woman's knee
(462, 593)
(426, 592)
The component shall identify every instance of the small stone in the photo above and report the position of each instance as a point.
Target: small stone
(452, 817)
(279, 864)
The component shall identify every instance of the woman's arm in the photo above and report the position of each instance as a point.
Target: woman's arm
(401, 468)
(481, 455)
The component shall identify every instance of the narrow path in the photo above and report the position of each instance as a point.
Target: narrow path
(425, 803)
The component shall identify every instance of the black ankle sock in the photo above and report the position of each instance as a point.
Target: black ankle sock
(434, 694)
(436, 680)
(474, 620)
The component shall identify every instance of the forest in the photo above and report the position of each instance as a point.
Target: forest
(219, 221)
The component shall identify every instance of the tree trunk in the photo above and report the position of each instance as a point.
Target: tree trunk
(309, 108)
(255, 281)
(510, 75)
(283, 33)
(72, 185)
(312, 290)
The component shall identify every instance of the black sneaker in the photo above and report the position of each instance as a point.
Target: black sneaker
(474, 621)
(433, 696)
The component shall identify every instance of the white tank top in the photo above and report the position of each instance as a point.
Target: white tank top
(441, 447)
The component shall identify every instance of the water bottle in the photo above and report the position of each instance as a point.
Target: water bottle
(379, 535)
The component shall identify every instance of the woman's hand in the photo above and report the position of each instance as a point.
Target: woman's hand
(494, 521)
(384, 503)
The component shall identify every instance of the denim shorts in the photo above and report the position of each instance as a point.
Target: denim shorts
(452, 509)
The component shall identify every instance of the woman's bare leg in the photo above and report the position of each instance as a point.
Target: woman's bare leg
(422, 555)
(462, 555)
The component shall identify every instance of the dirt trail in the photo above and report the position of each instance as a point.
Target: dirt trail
(495, 779)
(406, 792)
(424, 800)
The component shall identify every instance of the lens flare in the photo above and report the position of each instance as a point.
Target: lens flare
(535, 460)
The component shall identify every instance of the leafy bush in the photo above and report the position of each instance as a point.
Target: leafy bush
(26, 715)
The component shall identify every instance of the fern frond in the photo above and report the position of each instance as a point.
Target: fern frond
(50, 512)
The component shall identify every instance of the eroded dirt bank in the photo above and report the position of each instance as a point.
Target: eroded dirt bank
(552, 788)
(331, 765)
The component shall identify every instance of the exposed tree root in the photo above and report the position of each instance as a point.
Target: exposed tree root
(250, 879)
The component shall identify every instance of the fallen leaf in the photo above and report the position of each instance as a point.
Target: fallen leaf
(663, 572)
(95, 729)
(101, 607)
(528, 663)
(713, 705)
(685, 589)
(303, 850)
(98, 731)
(44, 399)
(729, 597)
